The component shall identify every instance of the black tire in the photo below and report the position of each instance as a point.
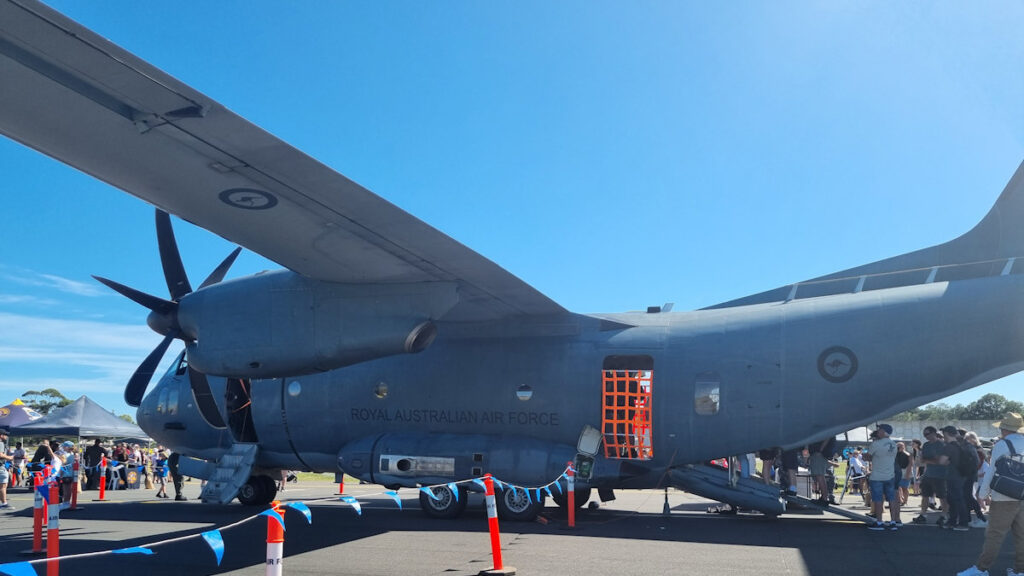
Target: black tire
(257, 491)
(517, 505)
(582, 497)
(269, 487)
(252, 492)
(447, 505)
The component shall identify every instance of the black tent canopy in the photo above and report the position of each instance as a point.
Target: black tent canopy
(81, 418)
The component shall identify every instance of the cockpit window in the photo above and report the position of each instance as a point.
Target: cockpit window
(180, 365)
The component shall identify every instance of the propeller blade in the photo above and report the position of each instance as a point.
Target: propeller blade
(204, 398)
(170, 258)
(136, 387)
(218, 273)
(152, 302)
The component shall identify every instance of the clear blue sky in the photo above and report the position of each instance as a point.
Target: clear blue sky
(614, 155)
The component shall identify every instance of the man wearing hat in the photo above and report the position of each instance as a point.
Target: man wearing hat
(4, 474)
(1005, 513)
(882, 455)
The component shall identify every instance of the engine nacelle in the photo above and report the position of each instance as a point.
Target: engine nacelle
(278, 324)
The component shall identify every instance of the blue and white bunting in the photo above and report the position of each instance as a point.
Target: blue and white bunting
(299, 506)
(394, 495)
(455, 490)
(271, 513)
(353, 503)
(216, 543)
(18, 569)
(481, 483)
(426, 490)
(135, 550)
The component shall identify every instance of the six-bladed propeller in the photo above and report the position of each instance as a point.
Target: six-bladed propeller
(163, 319)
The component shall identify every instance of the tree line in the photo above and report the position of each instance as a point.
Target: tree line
(988, 407)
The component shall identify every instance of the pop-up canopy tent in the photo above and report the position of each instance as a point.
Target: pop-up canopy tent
(15, 414)
(82, 418)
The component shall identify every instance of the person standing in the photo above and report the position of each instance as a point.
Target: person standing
(882, 455)
(5, 461)
(904, 472)
(958, 517)
(933, 481)
(160, 472)
(1005, 514)
(172, 464)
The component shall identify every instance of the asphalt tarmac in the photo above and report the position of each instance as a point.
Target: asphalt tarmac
(630, 535)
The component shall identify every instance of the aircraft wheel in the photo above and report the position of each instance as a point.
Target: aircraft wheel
(516, 505)
(269, 488)
(257, 491)
(252, 492)
(582, 496)
(446, 505)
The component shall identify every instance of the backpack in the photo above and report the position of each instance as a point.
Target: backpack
(1008, 477)
(968, 464)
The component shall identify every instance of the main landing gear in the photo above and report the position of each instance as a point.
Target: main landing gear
(259, 490)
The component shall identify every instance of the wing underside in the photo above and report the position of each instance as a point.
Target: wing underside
(73, 95)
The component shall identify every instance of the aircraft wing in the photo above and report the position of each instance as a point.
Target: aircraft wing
(71, 94)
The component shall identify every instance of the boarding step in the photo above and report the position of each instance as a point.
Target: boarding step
(231, 472)
(831, 508)
(718, 484)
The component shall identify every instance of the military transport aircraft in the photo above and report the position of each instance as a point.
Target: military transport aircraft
(389, 351)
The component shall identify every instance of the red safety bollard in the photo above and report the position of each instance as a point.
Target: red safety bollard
(341, 486)
(570, 493)
(53, 531)
(103, 477)
(275, 541)
(76, 479)
(492, 525)
(38, 511)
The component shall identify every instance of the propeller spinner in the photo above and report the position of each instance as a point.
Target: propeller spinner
(163, 319)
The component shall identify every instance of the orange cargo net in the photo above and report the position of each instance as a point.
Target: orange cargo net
(626, 414)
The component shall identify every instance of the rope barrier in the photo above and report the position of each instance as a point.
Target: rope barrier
(301, 507)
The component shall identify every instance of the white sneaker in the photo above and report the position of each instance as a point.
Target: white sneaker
(978, 523)
(973, 571)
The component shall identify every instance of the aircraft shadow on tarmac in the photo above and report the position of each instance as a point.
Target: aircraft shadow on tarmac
(825, 545)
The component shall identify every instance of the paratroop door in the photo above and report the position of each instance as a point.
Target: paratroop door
(627, 397)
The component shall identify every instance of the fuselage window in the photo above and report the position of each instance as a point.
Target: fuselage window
(706, 394)
(627, 407)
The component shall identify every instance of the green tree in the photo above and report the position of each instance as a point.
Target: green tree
(126, 418)
(43, 401)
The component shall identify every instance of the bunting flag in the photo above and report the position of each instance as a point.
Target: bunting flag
(299, 506)
(135, 550)
(557, 485)
(216, 543)
(18, 569)
(548, 490)
(351, 501)
(480, 483)
(271, 513)
(394, 495)
(426, 490)
(455, 490)
(497, 483)
(44, 491)
(538, 495)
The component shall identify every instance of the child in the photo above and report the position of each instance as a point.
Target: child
(160, 472)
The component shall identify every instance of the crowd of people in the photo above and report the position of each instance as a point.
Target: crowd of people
(112, 465)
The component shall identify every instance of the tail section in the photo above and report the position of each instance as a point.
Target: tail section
(990, 248)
